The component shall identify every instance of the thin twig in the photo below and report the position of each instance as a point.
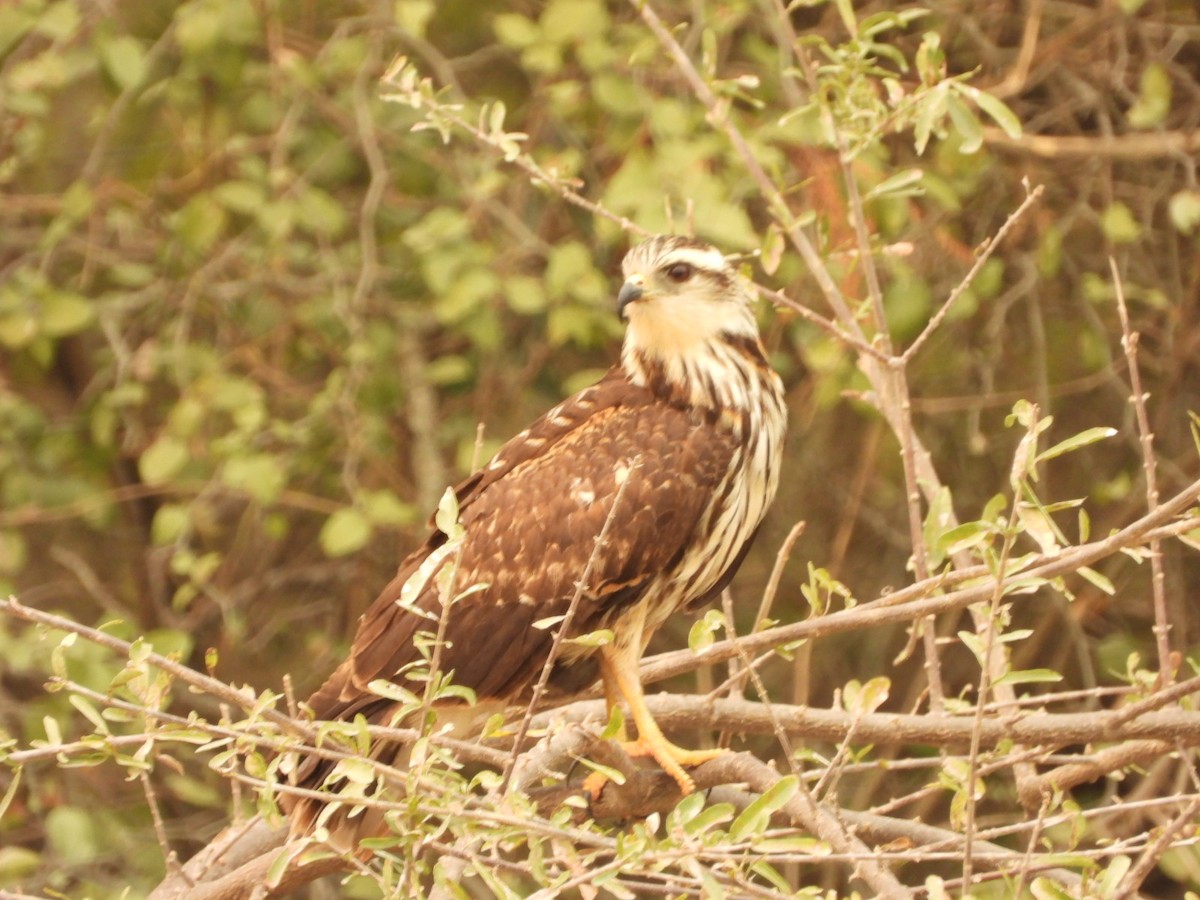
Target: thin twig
(992, 625)
(243, 700)
(781, 560)
(1129, 343)
(1149, 858)
(983, 254)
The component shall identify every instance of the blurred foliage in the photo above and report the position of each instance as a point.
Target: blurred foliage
(250, 319)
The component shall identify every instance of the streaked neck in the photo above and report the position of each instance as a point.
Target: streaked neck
(722, 372)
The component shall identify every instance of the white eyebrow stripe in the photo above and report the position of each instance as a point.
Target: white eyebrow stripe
(710, 259)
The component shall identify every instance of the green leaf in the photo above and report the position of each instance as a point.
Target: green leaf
(1106, 886)
(860, 699)
(170, 522)
(241, 196)
(446, 517)
(614, 728)
(346, 531)
(902, 184)
(1119, 225)
(64, 313)
(1048, 889)
(163, 459)
(965, 123)
(515, 30)
(1088, 436)
(1184, 210)
(383, 507)
(773, 245)
(703, 631)
(616, 776)
(199, 223)
(16, 863)
(755, 818)
(766, 871)
(709, 817)
(124, 60)
(9, 794)
(413, 15)
(261, 475)
(599, 638)
(1029, 676)
(846, 10)
(995, 109)
(1154, 98)
(1097, 579)
(72, 834)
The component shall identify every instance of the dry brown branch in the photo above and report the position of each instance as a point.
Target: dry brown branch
(1136, 147)
(1037, 729)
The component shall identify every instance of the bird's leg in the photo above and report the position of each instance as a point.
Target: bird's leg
(619, 669)
(612, 699)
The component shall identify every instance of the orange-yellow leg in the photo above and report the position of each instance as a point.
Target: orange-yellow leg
(619, 670)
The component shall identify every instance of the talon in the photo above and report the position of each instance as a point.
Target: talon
(672, 758)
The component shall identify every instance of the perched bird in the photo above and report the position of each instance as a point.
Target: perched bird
(686, 431)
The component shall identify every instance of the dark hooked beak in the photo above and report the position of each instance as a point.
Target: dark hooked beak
(630, 291)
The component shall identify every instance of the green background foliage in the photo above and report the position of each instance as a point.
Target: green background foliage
(251, 320)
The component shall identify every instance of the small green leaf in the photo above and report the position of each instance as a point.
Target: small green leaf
(1030, 676)
(616, 776)
(755, 818)
(389, 690)
(263, 476)
(446, 517)
(599, 638)
(124, 60)
(1154, 98)
(1089, 436)
(974, 644)
(1119, 225)
(703, 631)
(902, 184)
(64, 313)
(346, 531)
(1106, 886)
(965, 123)
(10, 793)
(1048, 889)
(1184, 210)
(995, 109)
(615, 726)
(709, 817)
(89, 712)
(169, 523)
(1097, 579)
(860, 699)
(772, 249)
(846, 10)
(163, 459)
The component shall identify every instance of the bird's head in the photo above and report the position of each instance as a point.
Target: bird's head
(680, 294)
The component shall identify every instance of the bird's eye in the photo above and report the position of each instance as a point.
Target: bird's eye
(680, 272)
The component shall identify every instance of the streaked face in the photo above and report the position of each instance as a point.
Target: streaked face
(679, 291)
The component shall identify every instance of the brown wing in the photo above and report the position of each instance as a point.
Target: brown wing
(531, 519)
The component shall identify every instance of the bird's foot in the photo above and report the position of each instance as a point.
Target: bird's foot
(671, 758)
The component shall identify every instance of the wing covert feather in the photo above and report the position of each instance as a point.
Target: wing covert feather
(531, 518)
